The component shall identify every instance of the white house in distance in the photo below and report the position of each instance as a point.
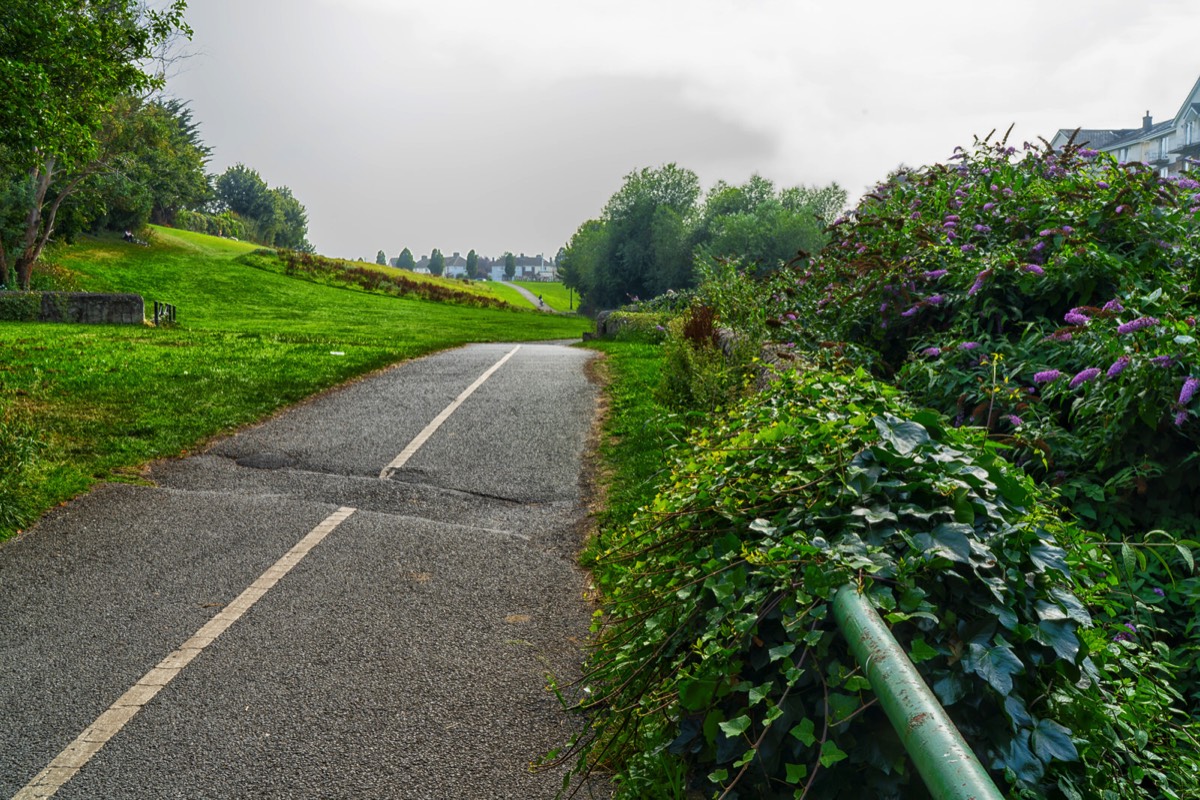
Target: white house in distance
(1167, 145)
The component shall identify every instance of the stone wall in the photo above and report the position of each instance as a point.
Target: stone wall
(86, 307)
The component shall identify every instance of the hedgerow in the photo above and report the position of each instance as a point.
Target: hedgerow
(1042, 304)
(1051, 298)
(718, 649)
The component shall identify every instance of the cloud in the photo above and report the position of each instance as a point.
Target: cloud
(419, 117)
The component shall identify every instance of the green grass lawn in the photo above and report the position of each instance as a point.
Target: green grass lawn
(555, 295)
(84, 403)
(508, 294)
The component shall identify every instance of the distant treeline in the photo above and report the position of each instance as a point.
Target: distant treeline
(653, 231)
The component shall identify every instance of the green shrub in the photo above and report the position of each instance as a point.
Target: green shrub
(1051, 298)
(717, 648)
(20, 306)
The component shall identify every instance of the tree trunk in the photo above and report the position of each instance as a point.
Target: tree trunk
(3, 265)
(39, 226)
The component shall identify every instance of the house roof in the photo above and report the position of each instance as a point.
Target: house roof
(1141, 134)
(1192, 99)
(1096, 138)
(1112, 138)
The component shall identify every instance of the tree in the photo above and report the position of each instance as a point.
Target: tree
(275, 217)
(437, 262)
(473, 265)
(510, 266)
(291, 220)
(243, 191)
(63, 64)
(580, 263)
(646, 221)
(381, 258)
(405, 259)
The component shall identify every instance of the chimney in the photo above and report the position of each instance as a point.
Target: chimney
(1147, 121)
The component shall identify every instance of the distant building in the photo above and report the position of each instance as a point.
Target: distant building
(1167, 145)
(456, 266)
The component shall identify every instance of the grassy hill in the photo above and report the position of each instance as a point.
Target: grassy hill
(554, 294)
(84, 403)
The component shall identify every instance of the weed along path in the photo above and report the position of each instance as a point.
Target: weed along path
(360, 598)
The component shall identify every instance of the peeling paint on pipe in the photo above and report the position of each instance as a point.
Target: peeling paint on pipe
(943, 759)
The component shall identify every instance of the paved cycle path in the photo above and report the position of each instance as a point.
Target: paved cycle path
(296, 614)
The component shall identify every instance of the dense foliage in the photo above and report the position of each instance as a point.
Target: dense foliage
(1050, 297)
(64, 66)
(1043, 304)
(719, 648)
(653, 230)
(272, 217)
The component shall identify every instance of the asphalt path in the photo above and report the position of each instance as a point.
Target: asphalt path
(399, 630)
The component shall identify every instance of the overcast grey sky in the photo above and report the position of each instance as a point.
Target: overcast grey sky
(463, 124)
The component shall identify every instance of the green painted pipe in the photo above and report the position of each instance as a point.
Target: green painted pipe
(944, 760)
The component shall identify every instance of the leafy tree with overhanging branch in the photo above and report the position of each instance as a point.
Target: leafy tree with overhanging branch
(63, 65)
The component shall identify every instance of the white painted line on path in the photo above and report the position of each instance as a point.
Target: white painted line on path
(422, 437)
(87, 744)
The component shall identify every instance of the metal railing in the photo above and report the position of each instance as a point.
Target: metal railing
(942, 757)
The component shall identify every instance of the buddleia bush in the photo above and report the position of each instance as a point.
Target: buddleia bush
(1049, 297)
(717, 646)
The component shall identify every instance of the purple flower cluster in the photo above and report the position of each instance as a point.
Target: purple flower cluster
(979, 281)
(1114, 305)
(1188, 390)
(1047, 376)
(1015, 420)
(934, 274)
(932, 352)
(1118, 366)
(968, 346)
(1076, 317)
(1091, 373)
(1136, 324)
(1162, 361)
(1035, 269)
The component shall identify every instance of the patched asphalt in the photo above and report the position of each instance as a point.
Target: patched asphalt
(405, 657)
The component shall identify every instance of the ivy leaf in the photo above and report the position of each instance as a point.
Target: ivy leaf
(996, 665)
(920, 651)
(948, 541)
(949, 688)
(1060, 635)
(830, 753)
(759, 693)
(1052, 741)
(1014, 706)
(804, 731)
(904, 436)
(736, 726)
(1074, 608)
(781, 651)
(796, 773)
(1045, 556)
(1020, 759)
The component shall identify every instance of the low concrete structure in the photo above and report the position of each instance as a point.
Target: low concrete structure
(80, 307)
